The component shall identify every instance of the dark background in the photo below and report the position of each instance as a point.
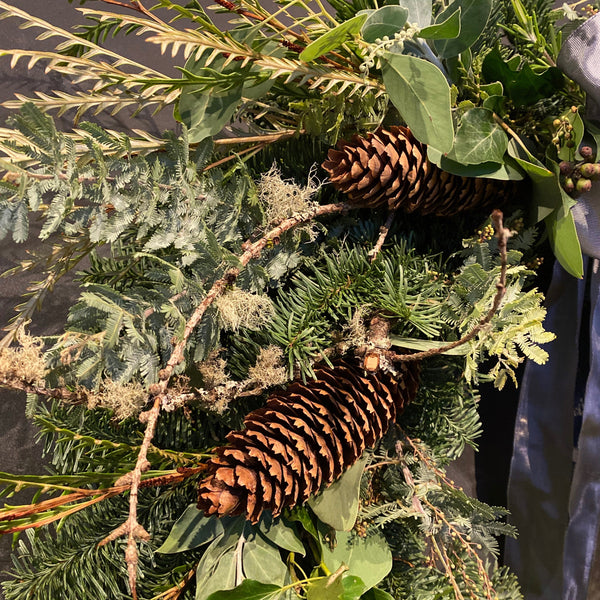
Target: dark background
(18, 450)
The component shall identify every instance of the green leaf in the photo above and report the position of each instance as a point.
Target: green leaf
(564, 241)
(387, 20)
(247, 590)
(261, 561)
(338, 504)
(419, 11)
(479, 139)
(338, 586)
(369, 558)
(546, 190)
(192, 530)
(281, 533)
(302, 515)
(474, 16)
(490, 170)
(572, 154)
(421, 345)
(420, 92)
(376, 594)
(446, 30)
(333, 39)
(524, 87)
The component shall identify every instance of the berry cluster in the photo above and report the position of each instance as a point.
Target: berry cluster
(563, 131)
(576, 177)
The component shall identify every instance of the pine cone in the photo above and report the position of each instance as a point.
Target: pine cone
(303, 439)
(389, 168)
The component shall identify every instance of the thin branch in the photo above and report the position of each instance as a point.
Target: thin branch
(502, 233)
(137, 6)
(383, 232)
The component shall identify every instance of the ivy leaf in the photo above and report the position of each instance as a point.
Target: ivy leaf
(490, 170)
(338, 504)
(247, 590)
(419, 11)
(474, 16)
(333, 39)
(281, 533)
(446, 30)
(420, 92)
(479, 139)
(192, 530)
(369, 558)
(302, 515)
(338, 586)
(564, 241)
(261, 561)
(387, 20)
(524, 87)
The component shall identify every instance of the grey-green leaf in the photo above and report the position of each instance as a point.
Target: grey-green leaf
(564, 241)
(479, 139)
(490, 170)
(369, 558)
(446, 30)
(261, 561)
(281, 533)
(474, 16)
(191, 530)
(338, 504)
(333, 39)
(420, 92)
(247, 590)
(419, 11)
(385, 21)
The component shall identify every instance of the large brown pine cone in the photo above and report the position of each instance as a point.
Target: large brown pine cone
(304, 438)
(389, 168)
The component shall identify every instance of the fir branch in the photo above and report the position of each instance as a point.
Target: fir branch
(502, 233)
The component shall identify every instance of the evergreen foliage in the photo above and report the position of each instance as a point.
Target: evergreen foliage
(220, 267)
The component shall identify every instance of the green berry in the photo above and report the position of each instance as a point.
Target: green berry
(583, 185)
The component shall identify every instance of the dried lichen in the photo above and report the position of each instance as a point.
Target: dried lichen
(23, 363)
(283, 198)
(239, 309)
(268, 370)
(124, 399)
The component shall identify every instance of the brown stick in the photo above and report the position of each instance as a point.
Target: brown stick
(383, 232)
(502, 233)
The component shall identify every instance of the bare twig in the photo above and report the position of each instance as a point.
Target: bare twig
(502, 233)
(383, 232)
(175, 592)
(138, 7)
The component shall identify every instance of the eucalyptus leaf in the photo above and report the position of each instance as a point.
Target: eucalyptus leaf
(420, 92)
(338, 504)
(261, 561)
(386, 21)
(506, 171)
(479, 139)
(446, 30)
(247, 590)
(369, 558)
(192, 530)
(473, 19)
(338, 586)
(419, 11)
(333, 39)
